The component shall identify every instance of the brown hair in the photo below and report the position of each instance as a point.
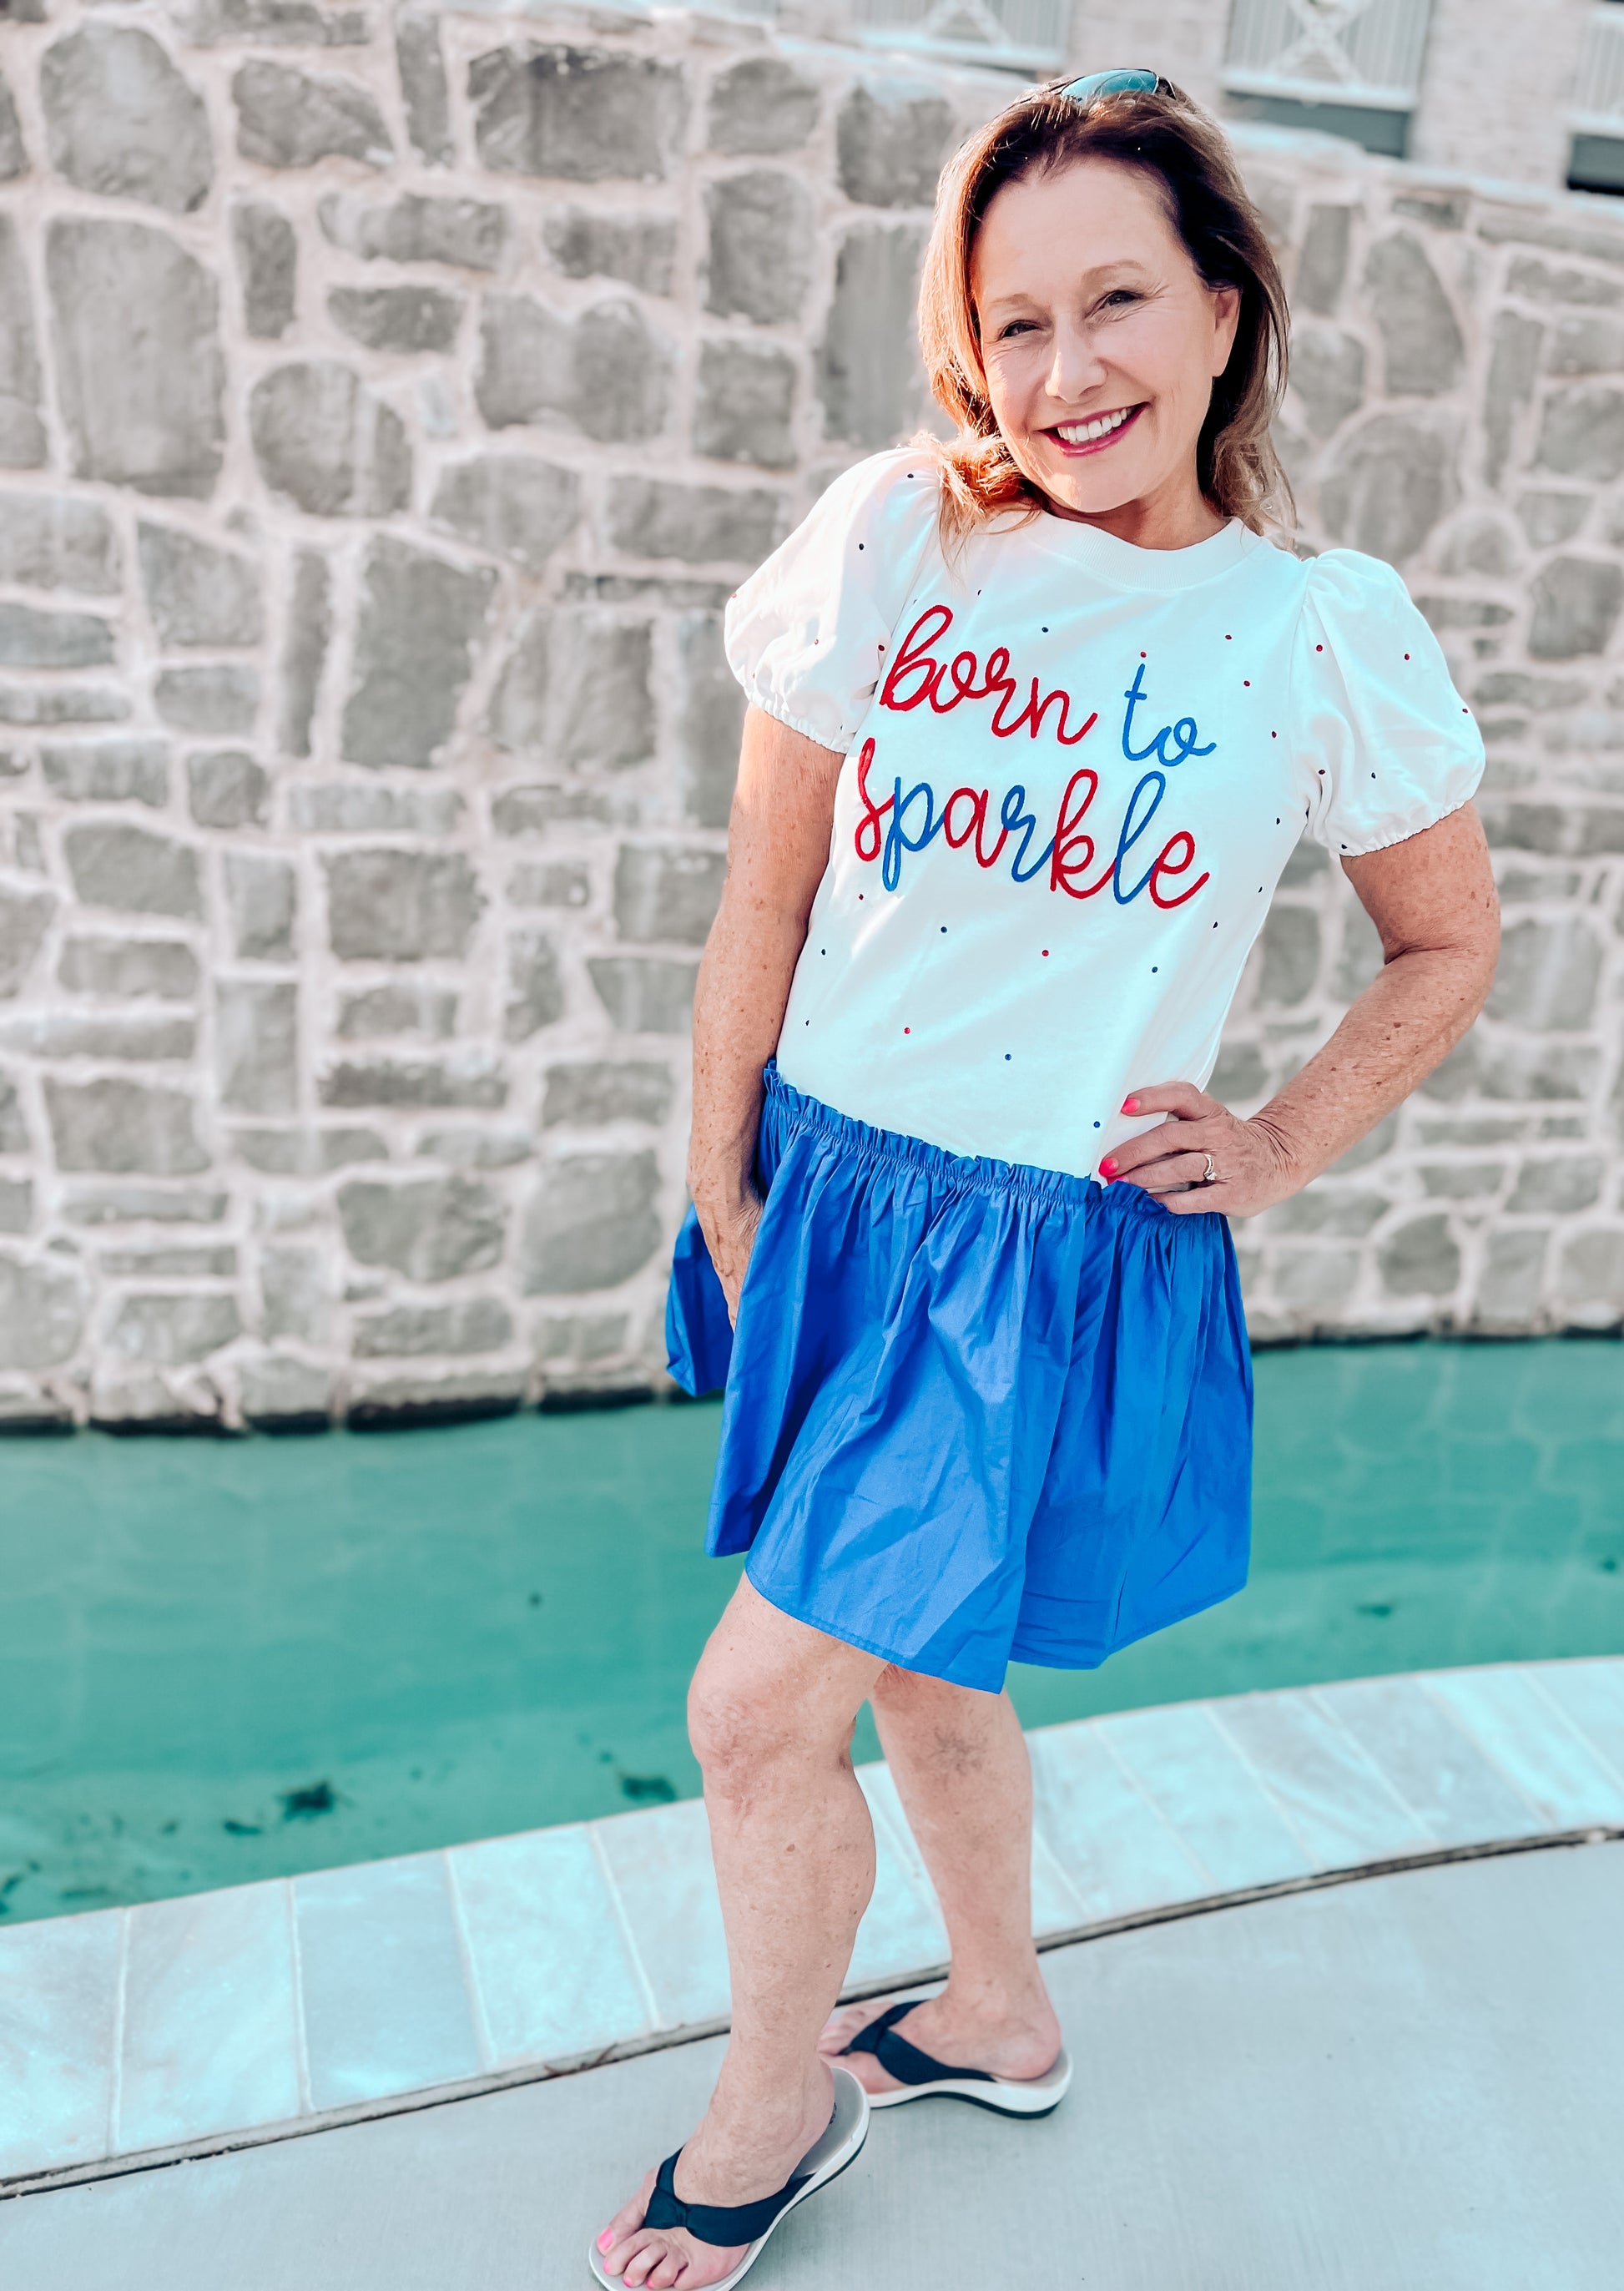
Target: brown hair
(1166, 137)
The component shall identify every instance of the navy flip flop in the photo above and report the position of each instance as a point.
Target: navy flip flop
(918, 2075)
(753, 2223)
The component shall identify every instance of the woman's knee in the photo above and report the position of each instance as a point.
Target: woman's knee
(912, 1694)
(952, 1724)
(735, 1718)
(771, 1690)
(745, 1716)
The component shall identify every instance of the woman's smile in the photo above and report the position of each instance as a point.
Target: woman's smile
(1096, 432)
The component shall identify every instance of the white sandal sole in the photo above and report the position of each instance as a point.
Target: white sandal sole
(1004, 2097)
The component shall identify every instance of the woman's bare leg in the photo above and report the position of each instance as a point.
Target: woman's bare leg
(770, 1714)
(960, 1763)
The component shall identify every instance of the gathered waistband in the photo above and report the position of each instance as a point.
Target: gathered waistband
(790, 1112)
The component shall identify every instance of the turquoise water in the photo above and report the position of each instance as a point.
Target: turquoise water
(236, 1659)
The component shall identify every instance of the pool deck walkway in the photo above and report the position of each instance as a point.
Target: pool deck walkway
(221, 2021)
(1413, 2081)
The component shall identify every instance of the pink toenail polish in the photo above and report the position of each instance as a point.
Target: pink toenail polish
(606, 2239)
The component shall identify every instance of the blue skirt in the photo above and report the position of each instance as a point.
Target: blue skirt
(974, 1412)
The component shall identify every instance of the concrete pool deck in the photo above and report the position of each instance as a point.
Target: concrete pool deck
(216, 2021)
(1411, 2080)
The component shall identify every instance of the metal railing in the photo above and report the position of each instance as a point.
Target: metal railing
(1366, 52)
(1599, 85)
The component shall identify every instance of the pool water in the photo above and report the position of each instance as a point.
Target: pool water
(225, 1660)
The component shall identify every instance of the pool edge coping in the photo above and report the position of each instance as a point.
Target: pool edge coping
(1164, 1764)
(512, 2080)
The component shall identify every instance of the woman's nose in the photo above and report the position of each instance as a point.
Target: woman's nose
(1076, 367)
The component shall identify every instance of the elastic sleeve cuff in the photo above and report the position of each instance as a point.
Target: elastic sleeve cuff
(1385, 841)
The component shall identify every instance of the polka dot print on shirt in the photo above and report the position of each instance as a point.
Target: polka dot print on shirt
(1124, 962)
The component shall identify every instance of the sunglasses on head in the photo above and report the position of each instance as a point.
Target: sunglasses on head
(1136, 80)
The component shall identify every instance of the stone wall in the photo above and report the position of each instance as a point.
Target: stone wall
(1458, 408)
(388, 404)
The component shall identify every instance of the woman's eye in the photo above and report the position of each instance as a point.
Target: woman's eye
(1120, 297)
(1015, 326)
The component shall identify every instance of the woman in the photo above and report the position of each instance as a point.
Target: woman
(1036, 720)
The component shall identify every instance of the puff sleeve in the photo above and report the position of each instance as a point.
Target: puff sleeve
(1386, 744)
(806, 634)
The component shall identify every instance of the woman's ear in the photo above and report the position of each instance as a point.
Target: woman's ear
(1225, 318)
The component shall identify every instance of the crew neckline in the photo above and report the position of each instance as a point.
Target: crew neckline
(1127, 566)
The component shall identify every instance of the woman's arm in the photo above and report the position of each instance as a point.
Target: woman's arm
(777, 850)
(1432, 897)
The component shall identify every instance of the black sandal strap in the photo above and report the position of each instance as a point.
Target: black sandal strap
(905, 2062)
(721, 2223)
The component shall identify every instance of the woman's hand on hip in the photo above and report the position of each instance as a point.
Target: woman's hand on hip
(730, 1234)
(1251, 1166)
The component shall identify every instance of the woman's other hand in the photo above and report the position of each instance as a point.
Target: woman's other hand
(730, 1234)
(777, 850)
(1254, 1169)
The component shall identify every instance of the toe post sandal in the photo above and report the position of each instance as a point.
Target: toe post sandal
(918, 2075)
(752, 2223)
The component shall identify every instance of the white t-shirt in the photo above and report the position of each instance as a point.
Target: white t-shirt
(1074, 770)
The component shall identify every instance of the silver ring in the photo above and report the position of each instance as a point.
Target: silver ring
(1209, 1176)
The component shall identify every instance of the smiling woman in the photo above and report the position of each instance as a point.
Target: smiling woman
(1039, 716)
(1123, 330)
(1178, 328)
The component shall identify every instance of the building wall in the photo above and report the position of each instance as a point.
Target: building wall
(388, 404)
(1496, 87)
